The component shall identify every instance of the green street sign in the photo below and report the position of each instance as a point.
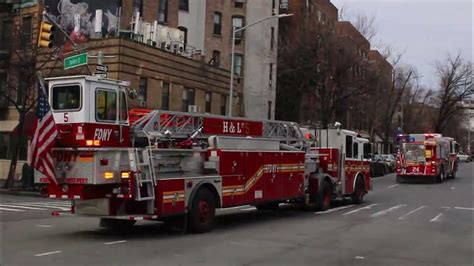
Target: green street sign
(75, 61)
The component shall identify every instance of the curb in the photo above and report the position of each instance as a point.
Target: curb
(21, 193)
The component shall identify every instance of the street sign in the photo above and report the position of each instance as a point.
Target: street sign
(101, 68)
(101, 75)
(75, 61)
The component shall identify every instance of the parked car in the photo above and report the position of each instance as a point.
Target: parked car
(462, 157)
(378, 166)
(390, 161)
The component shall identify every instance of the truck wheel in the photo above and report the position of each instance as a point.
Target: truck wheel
(117, 225)
(359, 192)
(400, 179)
(323, 199)
(203, 210)
(272, 206)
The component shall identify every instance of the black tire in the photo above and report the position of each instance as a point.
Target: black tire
(323, 199)
(117, 225)
(271, 206)
(203, 211)
(359, 191)
(439, 178)
(400, 179)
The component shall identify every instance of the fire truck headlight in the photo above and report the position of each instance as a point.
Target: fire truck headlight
(68, 166)
(65, 188)
(59, 166)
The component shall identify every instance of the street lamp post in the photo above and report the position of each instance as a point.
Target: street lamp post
(234, 31)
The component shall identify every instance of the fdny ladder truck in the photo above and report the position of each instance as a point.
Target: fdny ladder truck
(428, 156)
(180, 167)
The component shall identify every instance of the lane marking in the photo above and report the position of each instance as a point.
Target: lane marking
(236, 207)
(44, 225)
(22, 207)
(60, 204)
(13, 210)
(335, 209)
(464, 208)
(368, 207)
(452, 188)
(63, 208)
(436, 218)
(410, 213)
(359, 257)
(47, 253)
(115, 242)
(392, 186)
(380, 213)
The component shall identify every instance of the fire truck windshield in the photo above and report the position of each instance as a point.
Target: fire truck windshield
(66, 97)
(414, 152)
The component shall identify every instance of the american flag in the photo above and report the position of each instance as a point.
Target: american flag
(44, 137)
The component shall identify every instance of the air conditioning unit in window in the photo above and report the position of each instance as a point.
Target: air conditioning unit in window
(142, 103)
(193, 109)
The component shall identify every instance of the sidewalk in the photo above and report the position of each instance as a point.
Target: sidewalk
(18, 190)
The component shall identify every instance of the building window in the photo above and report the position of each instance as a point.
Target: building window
(216, 58)
(165, 96)
(143, 89)
(184, 30)
(184, 5)
(237, 23)
(270, 75)
(273, 7)
(217, 23)
(269, 109)
(188, 98)
(6, 149)
(272, 38)
(26, 31)
(138, 7)
(7, 27)
(223, 104)
(238, 4)
(208, 102)
(163, 11)
(238, 58)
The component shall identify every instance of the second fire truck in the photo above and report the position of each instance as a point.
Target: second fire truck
(427, 156)
(180, 167)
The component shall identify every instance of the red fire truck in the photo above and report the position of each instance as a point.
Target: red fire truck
(427, 156)
(179, 167)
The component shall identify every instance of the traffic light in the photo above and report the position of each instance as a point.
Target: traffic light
(46, 35)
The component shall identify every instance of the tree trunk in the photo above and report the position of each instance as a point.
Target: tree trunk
(15, 148)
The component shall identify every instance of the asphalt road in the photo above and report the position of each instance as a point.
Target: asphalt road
(406, 224)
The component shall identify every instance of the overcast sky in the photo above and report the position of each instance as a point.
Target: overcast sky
(427, 30)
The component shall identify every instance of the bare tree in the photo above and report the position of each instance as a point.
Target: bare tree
(455, 77)
(20, 91)
(364, 23)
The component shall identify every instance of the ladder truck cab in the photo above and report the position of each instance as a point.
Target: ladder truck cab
(180, 167)
(427, 156)
(344, 160)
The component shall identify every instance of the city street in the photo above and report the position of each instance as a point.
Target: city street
(398, 224)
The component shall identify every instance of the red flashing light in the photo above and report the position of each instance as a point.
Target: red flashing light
(104, 161)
